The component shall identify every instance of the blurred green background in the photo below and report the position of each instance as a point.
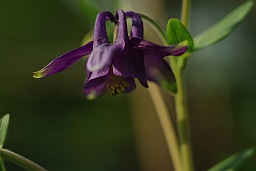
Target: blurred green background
(54, 125)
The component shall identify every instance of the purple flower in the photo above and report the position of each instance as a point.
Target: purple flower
(114, 66)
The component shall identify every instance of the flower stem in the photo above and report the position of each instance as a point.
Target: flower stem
(20, 160)
(182, 116)
(167, 125)
(155, 26)
(181, 111)
(161, 108)
(185, 12)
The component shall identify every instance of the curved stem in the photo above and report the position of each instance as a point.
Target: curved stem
(167, 125)
(155, 26)
(20, 160)
(162, 110)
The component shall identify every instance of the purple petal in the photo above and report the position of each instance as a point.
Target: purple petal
(158, 71)
(97, 74)
(127, 62)
(137, 24)
(64, 61)
(101, 57)
(122, 27)
(148, 47)
(102, 50)
(130, 63)
(100, 35)
(131, 86)
(95, 87)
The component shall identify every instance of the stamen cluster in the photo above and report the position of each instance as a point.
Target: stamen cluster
(116, 84)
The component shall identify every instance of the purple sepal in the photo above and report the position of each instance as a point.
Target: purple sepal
(95, 87)
(159, 71)
(65, 61)
(162, 51)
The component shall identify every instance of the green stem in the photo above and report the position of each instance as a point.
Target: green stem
(185, 12)
(167, 125)
(162, 110)
(155, 26)
(178, 65)
(20, 160)
(182, 115)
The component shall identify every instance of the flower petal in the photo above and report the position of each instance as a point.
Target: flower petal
(95, 74)
(122, 34)
(103, 51)
(127, 62)
(64, 61)
(101, 57)
(131, 86)
(158, 70)
(95, 87)
(148, 47)
(137, 24)
(100, 34)
(130, 63)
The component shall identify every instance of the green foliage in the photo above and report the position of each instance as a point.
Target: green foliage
(4, 122)
(223, 28)
(3, 129)
(2, 166)
(234, 161)
(88, 9)
(92, 7)
(177, 32)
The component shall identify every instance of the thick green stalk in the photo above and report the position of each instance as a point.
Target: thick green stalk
(177, 65)
(182, 115)
(162, 110)
(20, 160)
(181, 111)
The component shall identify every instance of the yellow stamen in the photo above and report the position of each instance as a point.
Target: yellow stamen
(116, 84)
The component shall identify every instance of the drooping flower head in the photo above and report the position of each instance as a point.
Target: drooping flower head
(114, 66)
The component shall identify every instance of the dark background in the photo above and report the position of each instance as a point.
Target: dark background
(54, 125)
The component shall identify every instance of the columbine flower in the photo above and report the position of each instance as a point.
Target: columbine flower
(114, 67)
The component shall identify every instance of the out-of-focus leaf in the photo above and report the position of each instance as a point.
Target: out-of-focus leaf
(2, 166)
(223, 28)
(232, 162)
(92, 7)
(87, 38)
(177, 32)
(3, 129)
(90, 11)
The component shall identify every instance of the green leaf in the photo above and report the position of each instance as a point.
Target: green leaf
(177, 32)
(2, 166)
(89, 10)
(232, 162)
(223, 28)
(3, 128)
(92, 7)
(87, 38)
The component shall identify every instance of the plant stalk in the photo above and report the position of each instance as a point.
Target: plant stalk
(185, 12)
(167, 125)
(20, 160)
(182, 118)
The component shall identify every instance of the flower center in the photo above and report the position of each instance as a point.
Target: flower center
(116, 84)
